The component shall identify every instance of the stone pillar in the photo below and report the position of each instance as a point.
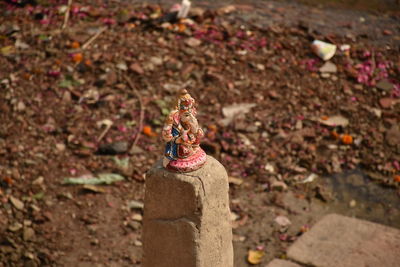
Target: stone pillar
(186, 218)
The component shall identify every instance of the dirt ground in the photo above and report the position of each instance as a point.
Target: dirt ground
(277, 120)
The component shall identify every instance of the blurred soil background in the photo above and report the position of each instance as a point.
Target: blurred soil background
(83, 97)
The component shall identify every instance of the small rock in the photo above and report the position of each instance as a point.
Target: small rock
(387, 32)
(28, 234)
(196, 12)
(393, 135)
(270, 168)
(31, 256)
(133, 204)
(18, 204)
(21, 106)
(135, 225)
(193, 42)
(352, 203)
(282, 221)
(137, 217)
(35, 208)
(15, 227)
(325, 75)
(226, 9)
(38, 181)
(234, 216)
(113, 148)
(138, 243)
(377, 112)
(358, 141)
(238, 238)
(260, 67)
(135, 67)
(235, 180)
(94, 242)
(386, 102)
(66, 96)
(156, 61)
(60, 147)
(278, 185)
(299, 125)
(328, 67)
(309, 179)
(15, 174)
(21, 45)
(384, 85)
(122, 66)
(92, 228)
(273, 94)
(359, 87)
(166, 25)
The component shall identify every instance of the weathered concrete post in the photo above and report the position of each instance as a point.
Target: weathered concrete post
(187, 218)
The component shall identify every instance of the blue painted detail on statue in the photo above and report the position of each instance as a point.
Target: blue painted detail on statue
(171, 149)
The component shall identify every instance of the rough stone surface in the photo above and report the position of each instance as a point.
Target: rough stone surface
(186, 218)
(282, 263)
(347, 242)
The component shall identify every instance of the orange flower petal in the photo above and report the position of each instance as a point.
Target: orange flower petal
(347, 139)
(147, 130)
(88, 62)
(324, 118)
(75, 44)
(77, 57)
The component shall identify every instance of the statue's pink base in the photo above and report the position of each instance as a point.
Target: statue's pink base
(192, 163)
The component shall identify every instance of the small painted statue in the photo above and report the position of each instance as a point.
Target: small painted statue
(183, 134)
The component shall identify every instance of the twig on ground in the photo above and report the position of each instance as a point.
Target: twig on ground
(66, 16)
(136, 92)
(94, 37)
(108, 127)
